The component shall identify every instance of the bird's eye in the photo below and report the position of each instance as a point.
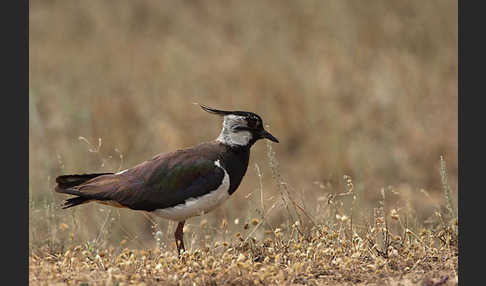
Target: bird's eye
(252, 122)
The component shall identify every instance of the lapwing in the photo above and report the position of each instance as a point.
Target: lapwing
(180, 184)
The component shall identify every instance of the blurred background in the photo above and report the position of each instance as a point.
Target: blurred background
(366, 89)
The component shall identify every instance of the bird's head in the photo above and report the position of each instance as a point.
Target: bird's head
(240, 127)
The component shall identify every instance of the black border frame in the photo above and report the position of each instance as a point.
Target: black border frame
(15, 119)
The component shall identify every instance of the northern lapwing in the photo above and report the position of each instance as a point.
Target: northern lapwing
(180, 184)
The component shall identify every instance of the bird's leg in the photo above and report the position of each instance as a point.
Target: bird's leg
(179, 237)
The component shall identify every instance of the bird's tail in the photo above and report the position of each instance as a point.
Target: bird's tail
(65, 184)
(72, 202)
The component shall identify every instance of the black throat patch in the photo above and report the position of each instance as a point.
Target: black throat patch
(235, 162)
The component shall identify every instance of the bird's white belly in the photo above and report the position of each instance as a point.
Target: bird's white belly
(200, 205)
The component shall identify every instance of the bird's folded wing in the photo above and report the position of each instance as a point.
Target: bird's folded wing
(164, 181)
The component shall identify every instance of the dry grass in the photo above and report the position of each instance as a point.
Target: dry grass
(333, 247)
(361, 91)
(324, 257)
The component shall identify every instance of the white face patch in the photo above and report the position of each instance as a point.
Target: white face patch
(200, 205)
(230, 137)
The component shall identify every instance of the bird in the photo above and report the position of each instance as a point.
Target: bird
(180, 184)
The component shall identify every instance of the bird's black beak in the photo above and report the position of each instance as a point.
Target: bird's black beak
(266, 134)
(215, 111)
